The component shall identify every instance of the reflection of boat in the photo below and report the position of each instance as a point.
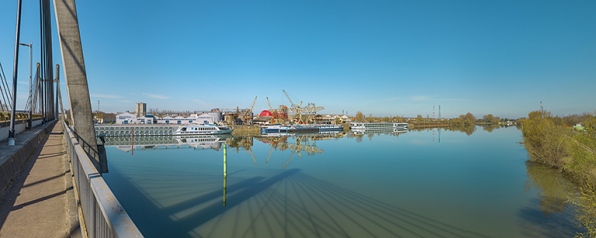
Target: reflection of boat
(168, 142)
(207, 129)
(314, 134)
(194, 140)
(277, 134)
(378, 130)
(378, 125)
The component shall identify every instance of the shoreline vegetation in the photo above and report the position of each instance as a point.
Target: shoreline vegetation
(567, 145)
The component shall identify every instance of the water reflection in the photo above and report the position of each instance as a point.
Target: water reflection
(469, 130)
(550, 215)
(553, 189)
(371, 132)
(278, 141)
(491, 127)
(296, 143)
(178, 193)
(197, 142)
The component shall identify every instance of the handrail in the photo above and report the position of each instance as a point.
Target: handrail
(103, 215)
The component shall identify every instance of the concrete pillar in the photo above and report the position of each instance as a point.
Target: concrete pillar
(74, 72)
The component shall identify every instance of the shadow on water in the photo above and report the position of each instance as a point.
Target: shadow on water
(288, 204)
(157, 222)
(550, 215)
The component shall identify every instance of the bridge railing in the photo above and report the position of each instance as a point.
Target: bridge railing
(103, 215)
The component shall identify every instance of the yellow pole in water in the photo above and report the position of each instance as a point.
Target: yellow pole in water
(225, 174)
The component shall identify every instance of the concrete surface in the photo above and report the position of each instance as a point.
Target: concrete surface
(74, 71)
(12, 158)
(39, 202)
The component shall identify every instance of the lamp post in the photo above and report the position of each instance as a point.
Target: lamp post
(30, 121)
(11, 130)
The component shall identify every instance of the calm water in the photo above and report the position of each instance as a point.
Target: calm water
(412, 184)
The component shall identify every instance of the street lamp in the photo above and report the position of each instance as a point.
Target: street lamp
(30, 122)
(11, 130)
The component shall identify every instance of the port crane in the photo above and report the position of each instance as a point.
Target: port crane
(247, 117)
(311, 109)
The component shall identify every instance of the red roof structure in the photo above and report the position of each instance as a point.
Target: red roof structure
(266, 113)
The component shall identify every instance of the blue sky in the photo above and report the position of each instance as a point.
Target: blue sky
(381, 57)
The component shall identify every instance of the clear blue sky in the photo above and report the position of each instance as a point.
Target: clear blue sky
(379, 57)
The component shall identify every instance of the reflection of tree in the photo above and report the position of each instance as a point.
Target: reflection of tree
(491, 127)
(553, 188)
(468, 129)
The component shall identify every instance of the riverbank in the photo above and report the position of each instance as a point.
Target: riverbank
(551, 143)
(246, 130)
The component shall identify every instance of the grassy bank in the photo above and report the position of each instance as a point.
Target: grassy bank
(550, 141)
(245, 130)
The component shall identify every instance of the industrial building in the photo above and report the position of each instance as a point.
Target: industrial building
(141, 109)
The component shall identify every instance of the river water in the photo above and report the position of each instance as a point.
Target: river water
(430, 183)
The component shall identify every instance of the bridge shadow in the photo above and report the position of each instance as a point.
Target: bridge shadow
(289, 203)
(304, 206)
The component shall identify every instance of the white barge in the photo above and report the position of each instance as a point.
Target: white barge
(207, 129)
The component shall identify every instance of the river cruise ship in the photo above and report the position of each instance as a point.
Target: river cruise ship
(378, 125)
(306, 128)
(328, 127)
(207, 129)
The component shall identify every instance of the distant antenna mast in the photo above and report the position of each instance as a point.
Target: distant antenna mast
(541, 110)
(98, 105)
(439, 114)
(433, 113)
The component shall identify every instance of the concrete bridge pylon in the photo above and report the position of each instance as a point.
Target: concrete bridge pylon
(75, 74)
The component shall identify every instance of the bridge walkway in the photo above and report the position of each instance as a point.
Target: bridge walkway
(40, 201)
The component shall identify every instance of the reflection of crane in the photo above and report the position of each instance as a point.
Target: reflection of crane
(302, 144)
(244, 142)
(247, 117)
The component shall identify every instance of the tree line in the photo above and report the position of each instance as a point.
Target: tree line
(554, 142)
(467, 119)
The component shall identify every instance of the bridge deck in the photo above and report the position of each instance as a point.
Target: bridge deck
(37, 203)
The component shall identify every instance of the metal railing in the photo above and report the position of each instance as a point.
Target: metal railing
(103, 215)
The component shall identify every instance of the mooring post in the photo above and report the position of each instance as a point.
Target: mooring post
(132, 140)
(225, 173)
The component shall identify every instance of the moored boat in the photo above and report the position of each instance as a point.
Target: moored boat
(329, 127)
(207, 129)
(303, 128)
(274, 129)
(300, 128)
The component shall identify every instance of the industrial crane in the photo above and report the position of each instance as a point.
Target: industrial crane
(274, 112)
(248, 113)
(295, 108)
